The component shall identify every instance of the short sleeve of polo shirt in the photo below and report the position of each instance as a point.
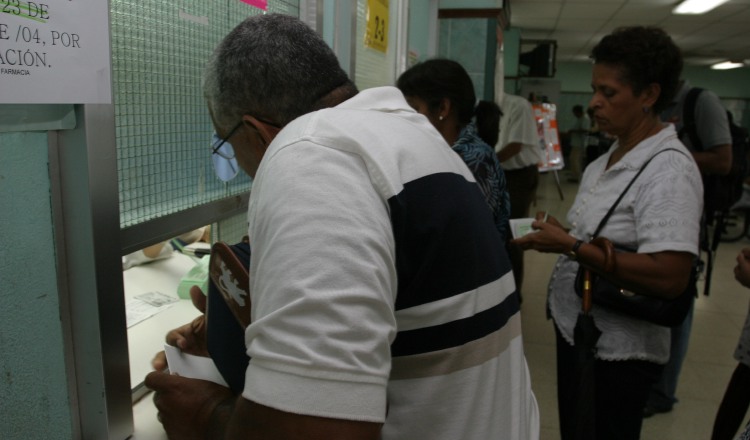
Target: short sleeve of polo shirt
(322, 285)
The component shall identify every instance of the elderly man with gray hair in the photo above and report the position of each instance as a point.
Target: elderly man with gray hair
(382, 296)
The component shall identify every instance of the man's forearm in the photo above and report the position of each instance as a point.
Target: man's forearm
(252, 420)
(219, 420)
(714, 161)
(509, 151)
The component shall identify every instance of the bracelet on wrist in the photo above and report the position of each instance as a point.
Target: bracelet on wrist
(573, 252)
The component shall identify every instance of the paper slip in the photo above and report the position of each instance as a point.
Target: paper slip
(194, 367)
(138, 310)
(156, 299)
(521, 226)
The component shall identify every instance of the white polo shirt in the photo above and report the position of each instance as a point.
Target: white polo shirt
(380, 288)
(519, 125)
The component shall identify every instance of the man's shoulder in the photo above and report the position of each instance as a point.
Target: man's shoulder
(386, 98)
(698, 98)
(515, 102)
(709, 100)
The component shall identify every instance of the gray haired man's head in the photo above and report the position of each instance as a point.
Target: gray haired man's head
(272, 67)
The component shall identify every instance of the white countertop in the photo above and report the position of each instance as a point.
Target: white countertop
(147, 337)
(146, 426)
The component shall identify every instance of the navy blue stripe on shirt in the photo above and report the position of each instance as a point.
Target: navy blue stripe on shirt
(446, 240)
(455, 333)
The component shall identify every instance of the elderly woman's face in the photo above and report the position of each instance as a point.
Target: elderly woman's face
(616, 109)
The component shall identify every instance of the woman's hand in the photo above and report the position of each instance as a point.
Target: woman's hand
(549, 236)
(742, 269)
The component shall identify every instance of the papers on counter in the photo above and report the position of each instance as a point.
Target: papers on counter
(146, 305)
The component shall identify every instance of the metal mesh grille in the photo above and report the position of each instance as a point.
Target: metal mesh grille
(163, 130)
(231, 229)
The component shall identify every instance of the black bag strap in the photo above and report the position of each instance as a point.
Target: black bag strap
(689, 126)
(622, 194)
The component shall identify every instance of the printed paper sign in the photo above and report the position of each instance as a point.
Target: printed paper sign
(376, 33)
(549, 141)
(54, 52)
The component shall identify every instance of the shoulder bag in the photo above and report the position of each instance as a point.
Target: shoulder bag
(605, 293)
(228, 311)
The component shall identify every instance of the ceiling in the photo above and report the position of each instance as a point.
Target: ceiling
(577, 25)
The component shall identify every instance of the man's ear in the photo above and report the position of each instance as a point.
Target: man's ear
(267, 131)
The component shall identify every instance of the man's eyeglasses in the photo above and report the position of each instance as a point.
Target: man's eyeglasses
(222, 154)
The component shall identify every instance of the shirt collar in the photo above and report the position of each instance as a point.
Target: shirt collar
(385, 99)
(636, 157)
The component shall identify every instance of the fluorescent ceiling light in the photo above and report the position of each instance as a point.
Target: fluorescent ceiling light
(726, 65)
(696, 6)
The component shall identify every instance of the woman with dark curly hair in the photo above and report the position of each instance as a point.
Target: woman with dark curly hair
(635, 75)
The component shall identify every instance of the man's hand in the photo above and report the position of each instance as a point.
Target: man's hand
(190, 338)
(190, 408)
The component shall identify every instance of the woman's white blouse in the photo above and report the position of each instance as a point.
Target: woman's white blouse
(660, 212)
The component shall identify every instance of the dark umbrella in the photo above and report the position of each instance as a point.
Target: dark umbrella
(585, 336)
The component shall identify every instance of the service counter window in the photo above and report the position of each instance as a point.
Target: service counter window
(157, 282)
(165, 176)
(167, 185)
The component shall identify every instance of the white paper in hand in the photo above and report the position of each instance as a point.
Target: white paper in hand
(191, 366)
(521, 226)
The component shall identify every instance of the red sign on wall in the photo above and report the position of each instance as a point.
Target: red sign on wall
(262, 4)
(546, 122)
